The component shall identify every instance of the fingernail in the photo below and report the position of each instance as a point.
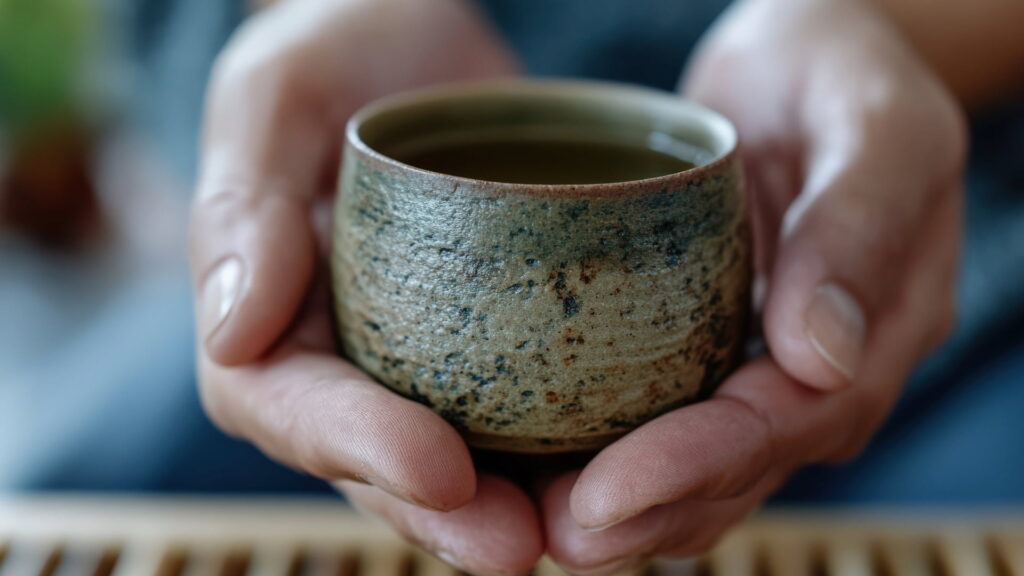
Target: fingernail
(604, 527)
(388, 487)
(835, 324)
(450, 559)
(220, 294)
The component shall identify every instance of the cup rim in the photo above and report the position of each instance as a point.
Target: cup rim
(716, 123)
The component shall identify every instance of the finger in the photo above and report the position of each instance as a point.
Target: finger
(719, 448)
(279, 97)
(711, 450)
(715, 449)
(930, 291)
(681, 528)
(252, 257)
(497, 532)
(902, 337)
(876, 168)
(266, 137)
(583, 552)
(321, 415)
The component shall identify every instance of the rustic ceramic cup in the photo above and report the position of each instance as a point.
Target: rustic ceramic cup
(542, 318)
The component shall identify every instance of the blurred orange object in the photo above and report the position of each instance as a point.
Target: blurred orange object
(47, 191)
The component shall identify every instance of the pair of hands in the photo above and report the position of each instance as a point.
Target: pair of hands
(854, 155)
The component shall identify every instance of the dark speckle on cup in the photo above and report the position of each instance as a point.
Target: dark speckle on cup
(541, 318)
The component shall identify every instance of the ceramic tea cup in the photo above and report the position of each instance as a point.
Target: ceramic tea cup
(536, 317)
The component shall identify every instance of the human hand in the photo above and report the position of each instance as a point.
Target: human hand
(854, 155)
(280, 94)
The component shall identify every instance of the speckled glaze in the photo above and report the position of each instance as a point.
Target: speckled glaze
(542, 318)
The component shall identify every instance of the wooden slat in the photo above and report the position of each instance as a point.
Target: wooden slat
(138, 559)
(331, 541)
(904, 555)
(735, 555)
(329, 561)
(171, 563)
(79, 559)
(963, 553)
(1007, 548)
(141, 558)
(276, 559)
(848, 554)
(386, 560)
(37, 558)
(787, 553)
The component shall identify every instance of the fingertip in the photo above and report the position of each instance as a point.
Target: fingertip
(497, 533)
(450, 481)
(453, 481)
(712, 450)
(516, 514)
(597, 505)
(588, 508)
(429, 457)
(581, 551)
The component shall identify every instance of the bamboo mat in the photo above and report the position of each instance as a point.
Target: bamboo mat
(128, 536)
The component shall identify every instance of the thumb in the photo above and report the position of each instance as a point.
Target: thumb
(848, 238)
(252, 252)
(252, 245)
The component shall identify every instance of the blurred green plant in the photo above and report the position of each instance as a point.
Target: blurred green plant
(44, 49)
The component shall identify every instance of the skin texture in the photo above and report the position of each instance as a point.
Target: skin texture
(854, 153)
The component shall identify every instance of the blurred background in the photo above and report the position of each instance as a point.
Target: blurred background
(100, 105)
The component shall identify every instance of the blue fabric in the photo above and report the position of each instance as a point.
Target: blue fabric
(101, 395)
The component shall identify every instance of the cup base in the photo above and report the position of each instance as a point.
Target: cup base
(541, 445)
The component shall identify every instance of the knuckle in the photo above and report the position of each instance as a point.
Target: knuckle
(249, 54)
(885, 247)
(925, 119)
(223, 206)
(230, 213)
(877, 103)
(216, 216)
(239, 74)
(254, 69)
(856, 221)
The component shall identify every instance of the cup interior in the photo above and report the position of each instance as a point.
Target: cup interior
(397, 126)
